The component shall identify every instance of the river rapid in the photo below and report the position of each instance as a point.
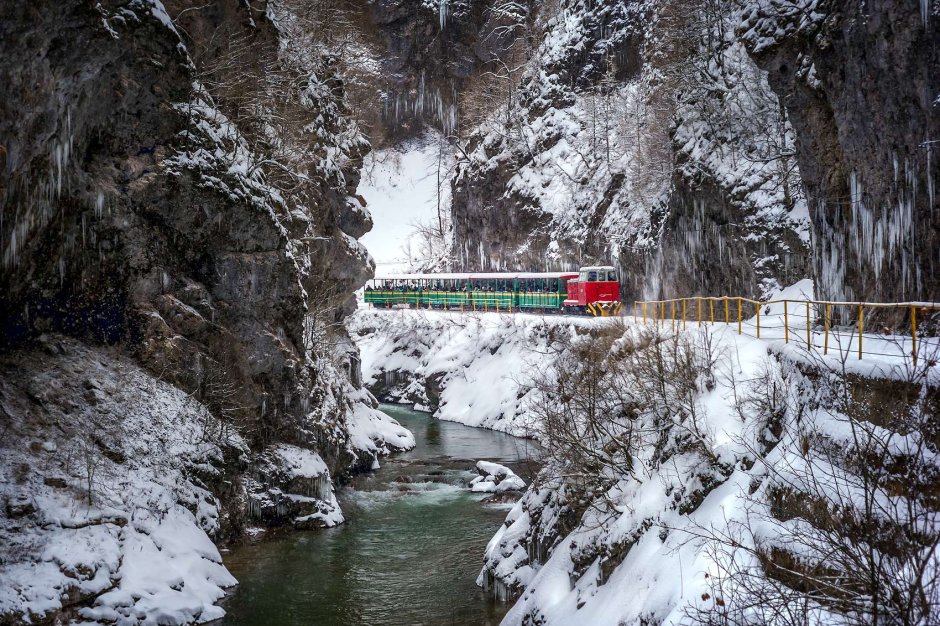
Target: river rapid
(409, 552)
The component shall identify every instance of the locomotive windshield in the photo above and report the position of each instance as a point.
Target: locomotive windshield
(597, 274)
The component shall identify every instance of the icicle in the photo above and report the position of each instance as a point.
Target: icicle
(930, 188)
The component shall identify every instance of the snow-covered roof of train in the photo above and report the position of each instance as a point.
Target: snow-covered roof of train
(477, 276)
(595, 268)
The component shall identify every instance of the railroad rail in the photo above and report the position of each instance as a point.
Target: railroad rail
(806, 321)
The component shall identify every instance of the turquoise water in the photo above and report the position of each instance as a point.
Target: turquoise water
(409, 553)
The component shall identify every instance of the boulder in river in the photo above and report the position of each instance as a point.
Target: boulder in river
(495, 478)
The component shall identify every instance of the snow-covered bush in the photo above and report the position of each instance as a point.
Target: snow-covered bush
(841, 522)
(698, 477)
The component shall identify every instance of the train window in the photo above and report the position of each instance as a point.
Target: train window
(611, 276)
(592, 276)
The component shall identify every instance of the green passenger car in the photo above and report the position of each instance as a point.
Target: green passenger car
(541, 291)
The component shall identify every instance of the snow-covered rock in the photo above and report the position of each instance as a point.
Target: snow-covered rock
(372, 433)
(640, 132)
(107, 478)
(668, 532)
(495, 478)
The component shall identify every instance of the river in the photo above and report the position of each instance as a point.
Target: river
(409, 552)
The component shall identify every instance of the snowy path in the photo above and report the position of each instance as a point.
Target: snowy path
(882, 355)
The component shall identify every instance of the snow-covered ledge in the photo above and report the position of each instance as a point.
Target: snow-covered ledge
(475, 369)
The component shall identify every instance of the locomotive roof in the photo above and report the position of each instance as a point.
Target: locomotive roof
(595, 268)
(478, 276)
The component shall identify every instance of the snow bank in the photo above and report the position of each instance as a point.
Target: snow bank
(475, 369)
(644, 548)
(105, 473)
(372, 431)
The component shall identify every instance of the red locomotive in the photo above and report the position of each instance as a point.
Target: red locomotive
(595, 290)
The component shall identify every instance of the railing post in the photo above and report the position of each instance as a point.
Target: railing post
(861, 328)
(672, 304)
(636, 305)
(786, 324)
(644, 312)
(711, 310)
(727, 317)
(826, 340)
(914, 335)
(809, 335)
(757, 308)
(683, 313)
(662, 312)
(739, 316)
(699, 310)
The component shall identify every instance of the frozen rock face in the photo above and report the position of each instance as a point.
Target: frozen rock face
(429, 51)
(136, 211)
(292, 485)
(859, 84)
(641, 132)
(176, 211)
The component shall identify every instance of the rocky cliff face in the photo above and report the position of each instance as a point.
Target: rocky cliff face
(137, 212)
(427, 55)
(860, 86)
(176, 190)
(640, 132)
(715, 148)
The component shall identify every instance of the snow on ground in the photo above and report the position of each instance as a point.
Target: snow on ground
(105, 473)
(886, 352)
(443, 359)
(639, 552)
(661, 571)
(401, 186)
(480, 364)
(373, 431)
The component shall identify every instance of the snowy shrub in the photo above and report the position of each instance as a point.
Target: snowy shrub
(841, 523)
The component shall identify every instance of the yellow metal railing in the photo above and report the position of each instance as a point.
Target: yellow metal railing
(819, 311)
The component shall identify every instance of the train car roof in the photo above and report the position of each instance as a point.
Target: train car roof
(478, 276)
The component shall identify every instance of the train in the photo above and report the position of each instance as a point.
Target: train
(591, 290)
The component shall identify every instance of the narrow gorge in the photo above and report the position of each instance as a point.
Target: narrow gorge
(290, 329)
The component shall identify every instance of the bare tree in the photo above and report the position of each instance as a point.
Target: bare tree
(845, 521)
